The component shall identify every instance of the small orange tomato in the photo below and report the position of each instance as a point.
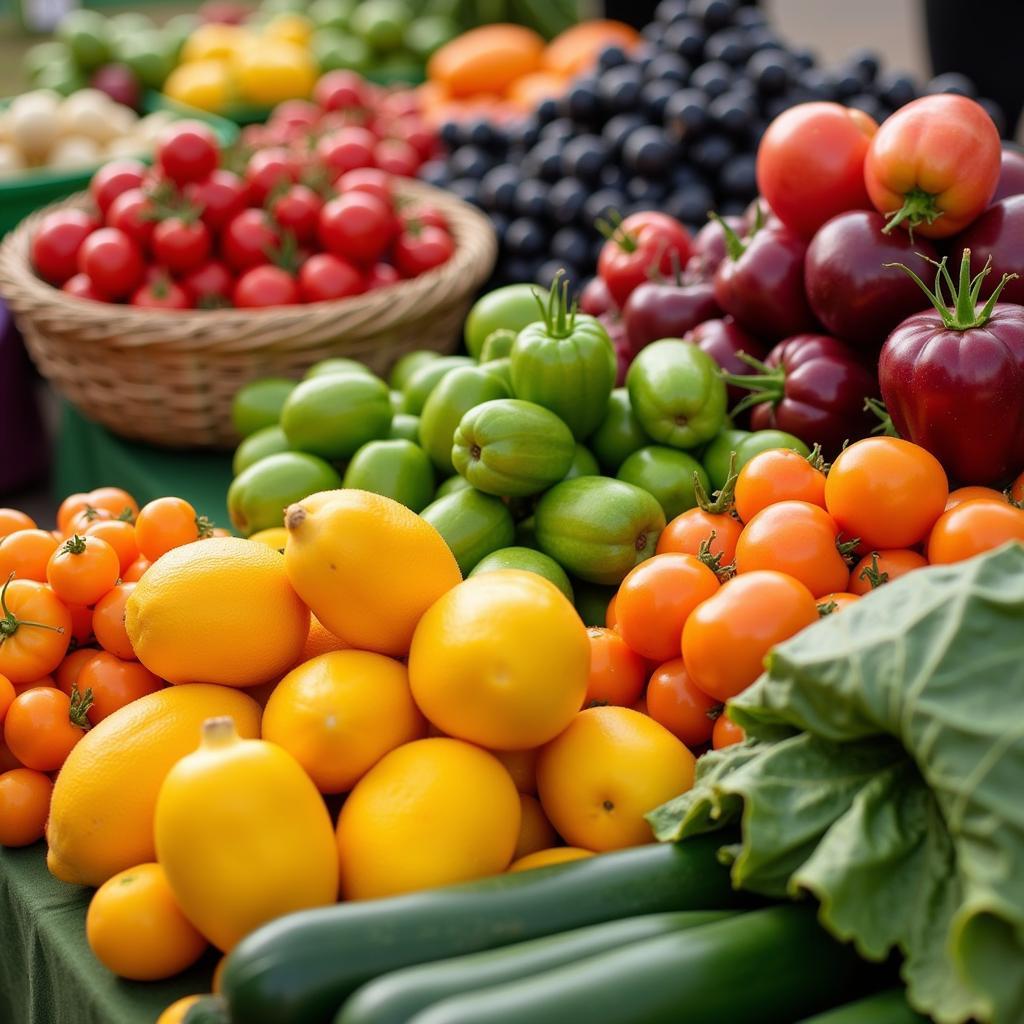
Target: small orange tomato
(674, 701)
(24, 806)
(69, 508)
(26, 554)
(12, 520)
(43, 726)
(829, 603)
(163, 524)
(610, 616)
(883, 567)
(886, 491)
(120, 535)
(66, 676)
(7, 759)
(726, 638)
(726, 733)
(797, 538)
(20, 688)
(962, 494)
(694, 527)
(136, 570)
(120, 504)
(974, 527)
(108, 622)
(81, 623)
(777, 475)
(83, 569)
(1017, 489)
(655, 600)
(617, 673)
(86, 518)
(7, 695)
(35, 630)
(114, 683)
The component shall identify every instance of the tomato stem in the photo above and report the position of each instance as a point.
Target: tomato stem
(205, 526)
(918, 208)
(613, 231)
(10, 623)
(74, 545)
(735, 247)
(885, 424)
(558, 316)
(724, 498)
(872, 575)
(80, 705)
(714, 561)
(827, 608)
(768, 384)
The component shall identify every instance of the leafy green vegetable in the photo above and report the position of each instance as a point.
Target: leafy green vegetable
(884, 775)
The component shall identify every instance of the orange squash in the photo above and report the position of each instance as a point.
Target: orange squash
(486, 60)
(526, 92)
(576, 49)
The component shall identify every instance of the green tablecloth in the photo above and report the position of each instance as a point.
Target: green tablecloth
(48, 975)
(88, 456)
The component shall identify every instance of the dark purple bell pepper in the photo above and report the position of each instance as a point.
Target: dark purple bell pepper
(723, 340)
(998, 234)
(1011, 173)
(667, 309)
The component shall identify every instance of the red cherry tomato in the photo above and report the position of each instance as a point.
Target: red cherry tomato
(113, 262)
(248, 240)
(934, 165)
(297, 113)
(417, 133)
(341, 90)
(114, 178)
(161, 293)
(81, 287)
(381, 275)
(187, 152)
(298, 210)
(810, 164)
(367, 179)
(210, 285)
(131, 213)
(358, 226)
(56, 244)
(396, 156)
(346, 149)
(265, 286)
(218, 197)
(420, 250)
(181, 245)
(326, 276)
(269, 170)
(674, 700)
(642, 243)
(424, 214)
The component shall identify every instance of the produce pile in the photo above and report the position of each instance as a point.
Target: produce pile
(672, 124)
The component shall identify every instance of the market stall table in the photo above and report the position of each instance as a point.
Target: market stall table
(48, 974)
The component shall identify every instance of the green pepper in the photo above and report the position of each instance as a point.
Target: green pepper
(566, 363)
(511, 308)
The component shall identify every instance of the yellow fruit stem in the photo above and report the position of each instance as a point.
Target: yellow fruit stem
(219, 733)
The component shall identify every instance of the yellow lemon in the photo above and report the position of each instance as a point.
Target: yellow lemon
(274, 537)
(243, 835)
(289, 27)
(213, 41)
(217, 611)
(101, 815)
(175, 1013)
(367, 566)
(433, 812)
(605, 772)
(545, 858)
(204, 84)
(502, 660)
(340, 713)
(273, 70)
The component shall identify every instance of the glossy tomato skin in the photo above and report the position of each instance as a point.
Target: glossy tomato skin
(162, 293)
(341, 90)
(219, 197)
(723, 339)
(973, 527)
(57, 242)
(298, 210)
(131, 213)
(764, 288)
(596, 299)
(325, 276)
(960, 394)
(209, 285)
(396, 156)
(113, 262)
(248, 240)
(810, 164)
(346, 149)
(998, 234)
(945, 146)
(417, 251)
(265, 286)
(665, 309)
(81, 286)
(187, 152)
(850, 288)
(381, 275)
(709, 247)
(643, 243)
(357, 226)
(269, 170)
(1011, 173)
(181, 245)
(367, 179)
(824, 389)
(114, 178)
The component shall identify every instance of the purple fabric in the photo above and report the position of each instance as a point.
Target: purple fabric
(23, 448)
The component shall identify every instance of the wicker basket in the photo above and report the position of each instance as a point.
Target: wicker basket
(169, 377)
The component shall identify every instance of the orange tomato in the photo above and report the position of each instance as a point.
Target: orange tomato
(86, 518)
(486, 59)
(529, 90)
(655, 600)
(24, 806)
(7, 695)
(886, 491)
(675, 701)
(726, 732)
(610, 615)
(1017, 489)
(66, 676)
(883, 567)
(108, 622)
(12, 520)
(35, 630)
(726, 638)
(81, 623)
(120, 535)
(114, 683)
(962, 494)
(163, 524)
(135, 571)
(7, 759)
(43, 726)
(797, 538)
(777, 475)
(83, 569)
(120, 504)
(69, 508)
(26, 554)
(576, 49)
(47, 680)
(617, 673)
(829, 603)
(690, 529)
(973, 527)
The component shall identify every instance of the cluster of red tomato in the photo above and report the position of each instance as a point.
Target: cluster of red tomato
(66, 662)
(784, 543)
(295, 226)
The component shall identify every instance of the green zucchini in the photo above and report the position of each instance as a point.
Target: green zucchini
(396, 997)
(300, 968)
(208, 1010)
(884, 1008)
(767, 967)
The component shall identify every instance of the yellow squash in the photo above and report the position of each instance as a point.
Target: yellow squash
(243, 835)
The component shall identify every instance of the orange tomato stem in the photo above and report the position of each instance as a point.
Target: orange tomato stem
(872, 574)
(918, 208)
(885, 423)
(10, 623)
(80, 704)
(714, 560)
(735, 247)
(205, 526)
(847, 549)
(827, 608)
(74, 545)
(724, 499)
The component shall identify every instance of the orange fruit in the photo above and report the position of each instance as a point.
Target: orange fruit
(12, 520)
(433, 812)
(26, 554)
(83, 569)
(175, 1013)
(535, 831)
(320, 640)
(217, 611)
(164, 524)
(24, 806)
(135, 571)
(47, 680)
(114, 683)
(108, 622)
(880, 567)
(674, 700)
(42, 727)
(522, 766)
(726, 733)
(340, 713)
(136, 929)
(605, 772)
(545, 858)
(836, 601)
(962, 494)
(69, 669)
(120, 535)
(617, 673)
(367, 567)
(502, 660)
(7, 759)
(7, 695)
